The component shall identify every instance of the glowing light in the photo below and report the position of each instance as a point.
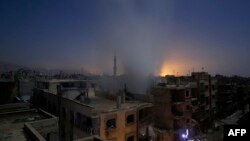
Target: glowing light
(170, 68)
(185, 136)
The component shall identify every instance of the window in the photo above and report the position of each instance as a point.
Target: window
(194, 103)
(207, 101)
(213, 87)
(206, 87)
(213, 97)
(131, 138)
(72, 117)
(130, 119)
(187, 94)
(63, 112)
(111, 123)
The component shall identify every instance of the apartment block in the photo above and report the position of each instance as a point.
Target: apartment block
(83, 114)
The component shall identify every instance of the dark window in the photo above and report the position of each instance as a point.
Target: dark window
(63, 112)
(206, 87)
(130, 119)
(72, 117)
(131, 138)
(187, 93)
(207, 101)
(213, 87)
(111, 123)
(213, 96)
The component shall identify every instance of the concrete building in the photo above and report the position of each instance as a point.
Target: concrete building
(83, 114)
(233, 94)
(50, 85)
(192, 100)
(173, 110)
(206, 100)
(20, 122)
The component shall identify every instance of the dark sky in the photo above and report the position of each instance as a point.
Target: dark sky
(160, 36)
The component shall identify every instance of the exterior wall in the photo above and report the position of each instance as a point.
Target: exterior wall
(205, 111)
(73, 115)
(173, 111)
(162, 108)
(164, 136)
(68, 112)
(44, 128)
(122, 130)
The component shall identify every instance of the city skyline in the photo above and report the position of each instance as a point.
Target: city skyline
(161, 37)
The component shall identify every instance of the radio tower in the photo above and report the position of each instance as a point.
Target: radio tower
(114, 67)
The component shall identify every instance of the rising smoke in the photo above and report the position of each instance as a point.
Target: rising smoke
(139, 40)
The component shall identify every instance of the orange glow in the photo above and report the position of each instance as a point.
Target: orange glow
(171, 68)
(92, 69)
(165, 70)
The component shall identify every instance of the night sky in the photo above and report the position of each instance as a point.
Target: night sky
(151, 36)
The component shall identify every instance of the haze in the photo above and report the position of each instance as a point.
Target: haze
(149, 37)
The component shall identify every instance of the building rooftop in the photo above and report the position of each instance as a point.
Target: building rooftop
(12, 124)
(102, 105)
(60, 80)
(14, 117)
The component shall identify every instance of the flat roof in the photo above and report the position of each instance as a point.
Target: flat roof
(60, 80)
(103, 105)
(12, 124)
(12, 119)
